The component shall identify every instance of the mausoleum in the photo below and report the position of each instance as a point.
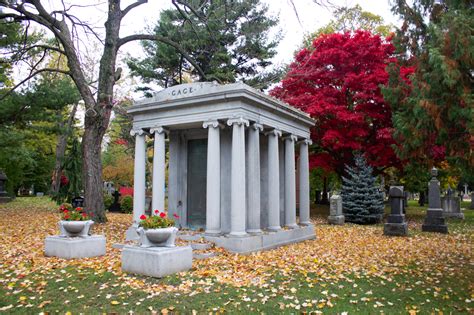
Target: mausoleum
(232, 168)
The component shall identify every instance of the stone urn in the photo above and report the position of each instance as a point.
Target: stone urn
(75, 228)
(162, 237)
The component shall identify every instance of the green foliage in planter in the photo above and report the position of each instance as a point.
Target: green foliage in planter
(156, 221)
(77, 214)
(126, 204)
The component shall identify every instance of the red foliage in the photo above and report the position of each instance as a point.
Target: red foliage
(338, 84)
(126, 191)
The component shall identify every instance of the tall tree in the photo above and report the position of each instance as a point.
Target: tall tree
(350, 19)
(232, 44)
(65, 26)
(338, 83)
(434, 118)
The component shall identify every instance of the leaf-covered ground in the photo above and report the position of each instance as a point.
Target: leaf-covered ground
(347, 268)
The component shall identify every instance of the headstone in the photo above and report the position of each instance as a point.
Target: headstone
(434, 221)
(396, 224)
(335, 210)
(77, 202)
(451, 206)
(3, 194)
(405, 200)
(115, 207)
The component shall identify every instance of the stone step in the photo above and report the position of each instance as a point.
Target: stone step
(201, 246)
(189, 237)
(204, 255)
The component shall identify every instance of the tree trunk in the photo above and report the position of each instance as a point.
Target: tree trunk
(92, 169)
(61, 150)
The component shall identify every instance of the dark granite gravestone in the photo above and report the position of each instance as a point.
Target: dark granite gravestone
(396, 224)
(3, 194)
(434, 221)
(77, 202)
(115, 207)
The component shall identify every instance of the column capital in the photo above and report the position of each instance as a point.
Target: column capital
(212, 123)
(158, 130)
(306, 141)
(137, 131)
(239, 121)
(274, 132)
(290, 137)
(256, 126)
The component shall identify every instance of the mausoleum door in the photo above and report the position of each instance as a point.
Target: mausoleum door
(196, 183)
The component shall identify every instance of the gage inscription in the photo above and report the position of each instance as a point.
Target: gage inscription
(184, 91)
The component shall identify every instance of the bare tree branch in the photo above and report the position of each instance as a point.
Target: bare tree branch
(132, 6)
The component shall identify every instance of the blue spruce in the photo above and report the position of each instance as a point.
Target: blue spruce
(362, 201)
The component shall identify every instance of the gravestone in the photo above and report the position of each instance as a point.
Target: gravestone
(396, 224)
(405, 200)
(434, 221)
(451, 205)
(335, 210)
(3, 194)
(77, 202)
(115, 206)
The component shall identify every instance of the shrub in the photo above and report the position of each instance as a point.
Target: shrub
(108, 201)
(126, 204)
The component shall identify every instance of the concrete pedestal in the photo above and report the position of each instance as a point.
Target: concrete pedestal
(434, 222)
(396, 226)
(336, 219)
(74, 247)
(264, 241)
(156, 261)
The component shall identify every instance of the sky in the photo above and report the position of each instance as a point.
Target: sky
(295, 21)
(311, 17)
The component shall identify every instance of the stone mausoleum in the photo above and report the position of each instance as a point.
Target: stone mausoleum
(232, 167)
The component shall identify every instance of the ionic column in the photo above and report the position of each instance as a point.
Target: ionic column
(290, 185)
(237, 199)
(139, 174)
(303, 168)
(273, 181)
(213, 184)
(159, 166)
(253, 182)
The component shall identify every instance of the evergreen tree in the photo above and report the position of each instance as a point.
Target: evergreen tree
(232, 45)
(362, 201)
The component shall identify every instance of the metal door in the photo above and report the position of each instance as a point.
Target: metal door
(196, 183)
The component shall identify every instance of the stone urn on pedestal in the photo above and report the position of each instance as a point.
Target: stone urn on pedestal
(157, 230)
(156, 254)
(75, 239)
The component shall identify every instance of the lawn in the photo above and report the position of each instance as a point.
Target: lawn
(350, 268)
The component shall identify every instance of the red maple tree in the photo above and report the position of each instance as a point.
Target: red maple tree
(338, 82)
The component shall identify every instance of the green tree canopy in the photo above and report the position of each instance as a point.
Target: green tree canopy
(433, 112)
(350, 19)
(233, 44)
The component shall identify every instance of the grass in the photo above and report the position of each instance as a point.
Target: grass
(432, 283)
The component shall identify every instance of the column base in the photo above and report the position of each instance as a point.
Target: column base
(213, 232)
(306, 223)
(274, 228)
(237, 234)
(254, 232)
(292, 226)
